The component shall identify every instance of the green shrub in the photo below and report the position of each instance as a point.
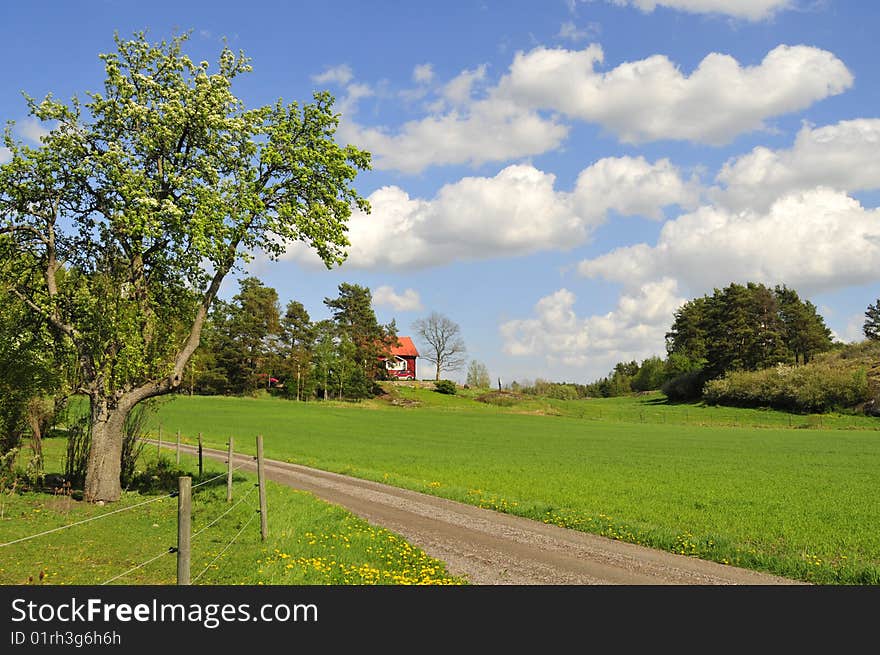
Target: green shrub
(500, 398)
(687, 386)
(445, 386)
(817, 387)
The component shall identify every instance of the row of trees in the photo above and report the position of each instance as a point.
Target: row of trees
(250, 343)
(738, 328)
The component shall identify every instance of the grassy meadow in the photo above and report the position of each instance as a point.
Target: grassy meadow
(789, 494)
(310, 541)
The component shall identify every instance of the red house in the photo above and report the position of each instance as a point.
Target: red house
(402, 363)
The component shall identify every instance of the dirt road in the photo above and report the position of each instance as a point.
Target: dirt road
(491, 548)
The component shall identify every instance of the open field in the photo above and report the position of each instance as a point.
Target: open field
(795, 502)
(310, 541)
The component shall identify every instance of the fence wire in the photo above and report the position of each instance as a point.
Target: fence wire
(232, 541)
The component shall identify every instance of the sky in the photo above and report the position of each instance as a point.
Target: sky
(556, 176)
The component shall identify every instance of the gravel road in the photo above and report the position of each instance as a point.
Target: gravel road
(491, 548)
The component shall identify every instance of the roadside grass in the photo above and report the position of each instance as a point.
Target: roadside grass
(310, 541)
(795, 502)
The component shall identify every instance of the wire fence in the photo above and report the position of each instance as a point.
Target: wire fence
(90, 519)
(171, 549)
(225, 548)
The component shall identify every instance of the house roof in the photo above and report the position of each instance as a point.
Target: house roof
(406, 348)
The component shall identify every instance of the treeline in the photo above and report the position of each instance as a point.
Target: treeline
(249, 343)
(745, 345)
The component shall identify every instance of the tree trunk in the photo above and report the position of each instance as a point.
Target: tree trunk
(105, 451)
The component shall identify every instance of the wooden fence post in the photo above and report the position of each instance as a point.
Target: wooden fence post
(261, 480)
(200, 455)
(159, 443)
(184, 528)
(229, 473)
(178, 446)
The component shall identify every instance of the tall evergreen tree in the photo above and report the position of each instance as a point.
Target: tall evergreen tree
(871, 328)
(805, 331)
(352, 311)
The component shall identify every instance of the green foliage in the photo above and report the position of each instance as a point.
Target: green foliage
(478, 375)
(33, 367)
(79, 441)
(685, 386)
(500, 398)
(747, 327)
(826, 383)
(650, 376)
(242, 340)
(360, 341)
(445, 386)
(871, 328)
(145, 197)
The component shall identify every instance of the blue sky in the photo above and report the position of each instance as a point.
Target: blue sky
(557, 177)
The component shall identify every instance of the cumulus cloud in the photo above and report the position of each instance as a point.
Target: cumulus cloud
(635, 329)
(652, 99)
(518, 211)
(5, 154)
(487, 130)
(815, 240)
(458, 90)
(844, 156)
(341, 75)
(754, 10)
(408, 301)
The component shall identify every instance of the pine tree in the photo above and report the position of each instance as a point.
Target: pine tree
(872, 322)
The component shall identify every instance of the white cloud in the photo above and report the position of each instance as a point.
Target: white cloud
(645, 100)
(635, 329)
(423, 73)
(853, 331)
(487, 130)
(458, 90)
(518, 211)
(570, 31)
(32, 129)
(5, 154)
(651, 99)
(754, 10)
(633, 187)
(341, 75)
(844, 156)
(408, 301)
(816, 240)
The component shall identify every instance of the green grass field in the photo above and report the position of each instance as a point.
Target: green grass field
(310, 541)
(734, 486)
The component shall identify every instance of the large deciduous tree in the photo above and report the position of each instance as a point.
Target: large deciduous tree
(140, 201)
(444, 345)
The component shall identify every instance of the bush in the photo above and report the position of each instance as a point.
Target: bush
(445, 386)
(500, 398)
(817, 387)
(687, 386)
